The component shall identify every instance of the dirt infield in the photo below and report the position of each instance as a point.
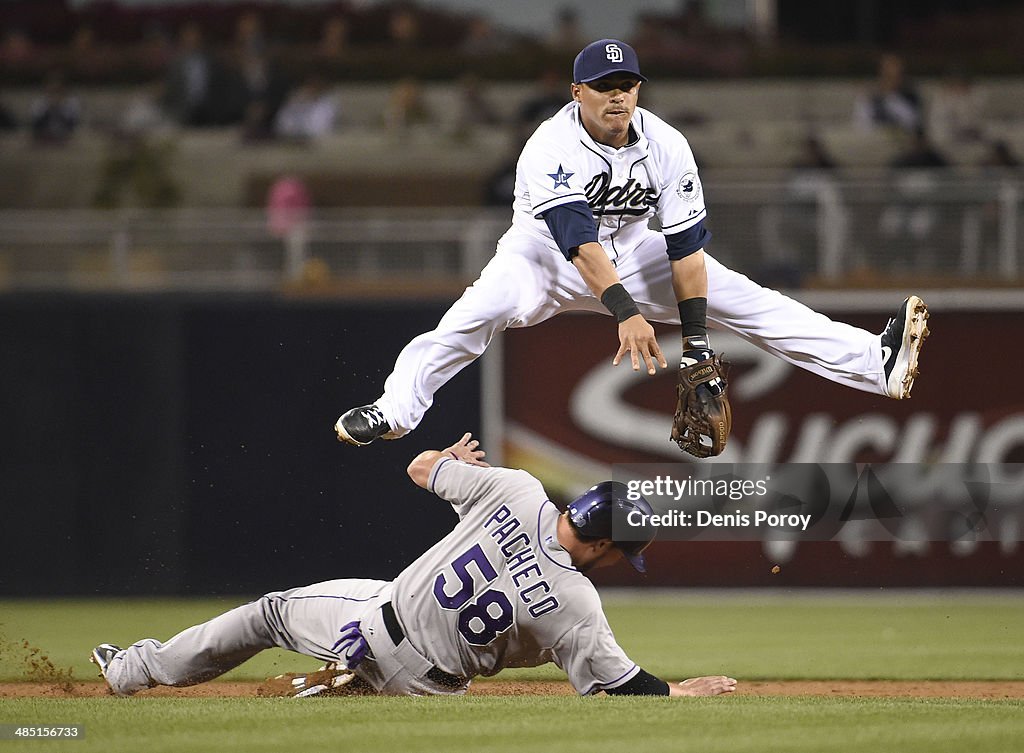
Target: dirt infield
(985, 689)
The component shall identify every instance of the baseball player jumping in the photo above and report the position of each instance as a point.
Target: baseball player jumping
(506, 588)
(587, 183)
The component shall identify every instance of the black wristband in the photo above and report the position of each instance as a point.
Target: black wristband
(619, 302)
(643, 683)
(693, 315)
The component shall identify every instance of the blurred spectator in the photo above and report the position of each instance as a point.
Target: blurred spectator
(955, 114)
(813, 155)
(690, 40)
(250, 37)
(310, 112)
(654, 41)
(137, 172)
(551, 95)
(567, 36)
(404, 27)
(16, 49)
(257, 123)
(157, 48)
(83, 42)
(1002, 165)
(7, 120)
(144, 115)
(1000, 155)
(475, 109)
(406, 106)
(288, 209)
(188, 92)
(482, 39)
(687, 40)
(253, 92)
(334, 39)
(920, 153)
(500, 185)
(89, 57)
(893, 102)
(692, 22)
(258, 88)
(912, 216)
(789, 236)
(55, 114)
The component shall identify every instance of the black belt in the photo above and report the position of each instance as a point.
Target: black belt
(397, 635)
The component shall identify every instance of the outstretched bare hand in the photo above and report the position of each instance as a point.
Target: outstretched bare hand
(703, 686)
(466, 450)
(636, 337)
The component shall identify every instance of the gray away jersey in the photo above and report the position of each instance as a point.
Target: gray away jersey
(499, 591)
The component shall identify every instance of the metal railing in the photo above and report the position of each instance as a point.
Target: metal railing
(225, 249)
(934, 227)
(944, 226)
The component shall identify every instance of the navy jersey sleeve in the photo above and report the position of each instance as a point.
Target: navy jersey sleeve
(571, 226)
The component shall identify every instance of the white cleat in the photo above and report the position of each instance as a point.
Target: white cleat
(901, 342)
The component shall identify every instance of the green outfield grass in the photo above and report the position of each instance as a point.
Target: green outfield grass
(762, 635)
(66, 630)
(901, 635)
(849, 635)
(563, 724)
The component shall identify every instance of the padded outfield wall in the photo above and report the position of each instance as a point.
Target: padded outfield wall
(582, 418)
(184, 444)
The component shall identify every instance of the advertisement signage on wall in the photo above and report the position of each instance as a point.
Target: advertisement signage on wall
(572, 418)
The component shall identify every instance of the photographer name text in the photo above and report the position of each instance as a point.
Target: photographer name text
(706, 519)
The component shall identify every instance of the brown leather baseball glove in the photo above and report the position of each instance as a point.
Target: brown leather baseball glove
(703, 417)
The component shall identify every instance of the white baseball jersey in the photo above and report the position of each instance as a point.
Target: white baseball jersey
(499, 591)
(528, 280)
(655, 174)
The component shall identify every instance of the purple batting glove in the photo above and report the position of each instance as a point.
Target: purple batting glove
(352, 647)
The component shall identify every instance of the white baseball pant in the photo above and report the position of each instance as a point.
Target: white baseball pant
(528, 281)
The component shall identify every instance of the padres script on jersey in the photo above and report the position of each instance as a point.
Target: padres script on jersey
(654, 173)
(499, 591)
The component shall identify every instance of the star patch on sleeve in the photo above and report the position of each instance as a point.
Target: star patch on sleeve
(561, 177)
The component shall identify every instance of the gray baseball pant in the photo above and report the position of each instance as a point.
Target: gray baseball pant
(306, 620)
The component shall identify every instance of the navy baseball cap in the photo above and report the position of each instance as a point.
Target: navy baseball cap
(603, 57)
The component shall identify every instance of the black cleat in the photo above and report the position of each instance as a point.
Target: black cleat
(902, 339)
(362, 425)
